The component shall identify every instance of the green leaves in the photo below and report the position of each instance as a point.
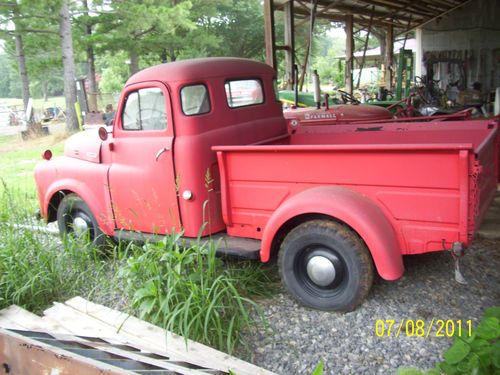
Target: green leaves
(479, 353)
(193, 293)
(457, 352)
(489, 328)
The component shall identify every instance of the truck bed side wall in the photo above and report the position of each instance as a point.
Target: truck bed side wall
(422, 192)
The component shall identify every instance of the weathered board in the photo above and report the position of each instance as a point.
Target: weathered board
(85, 334)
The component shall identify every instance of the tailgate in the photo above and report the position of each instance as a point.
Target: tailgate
(484, 178)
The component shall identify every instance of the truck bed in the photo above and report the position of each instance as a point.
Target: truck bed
(433, 184)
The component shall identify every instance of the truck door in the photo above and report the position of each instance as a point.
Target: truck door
(142, 177)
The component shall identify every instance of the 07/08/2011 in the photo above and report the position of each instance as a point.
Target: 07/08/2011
(421, 328)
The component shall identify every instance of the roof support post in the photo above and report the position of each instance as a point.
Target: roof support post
(388, 58)
(269, 33)
(419, 53)
(290, 44)
(349, 49)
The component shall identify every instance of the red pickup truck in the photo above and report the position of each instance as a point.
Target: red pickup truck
(201, 146)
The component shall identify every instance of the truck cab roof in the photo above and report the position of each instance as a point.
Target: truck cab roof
(201, 69)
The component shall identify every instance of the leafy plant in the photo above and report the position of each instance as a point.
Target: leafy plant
(479, 353)
(476, 354)
(192, 292)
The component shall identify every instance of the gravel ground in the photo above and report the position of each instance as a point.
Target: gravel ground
(298, 338)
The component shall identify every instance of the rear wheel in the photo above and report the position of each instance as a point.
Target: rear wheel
(326, 266)
(75, 218)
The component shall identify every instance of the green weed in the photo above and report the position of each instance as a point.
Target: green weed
(477, 354)
(37, 269)
(193, 293)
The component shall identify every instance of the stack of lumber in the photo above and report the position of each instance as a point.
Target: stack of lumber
(81, 337)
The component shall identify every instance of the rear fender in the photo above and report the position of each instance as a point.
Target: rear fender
(100, 206)
(351, 208)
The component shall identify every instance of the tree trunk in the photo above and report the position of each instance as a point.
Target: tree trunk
(23, 72)
(173, 55)
(134, 62)
(68, 67)
(163, 56)
(93, 88)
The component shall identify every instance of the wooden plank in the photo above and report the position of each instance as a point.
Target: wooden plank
(45, 359)
(161, 341)
(18, 318)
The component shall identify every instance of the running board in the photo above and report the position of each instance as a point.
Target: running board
(226, 245)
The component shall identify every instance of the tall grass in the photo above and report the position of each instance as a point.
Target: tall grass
(187, 290)
(37, 268)
(192, 292)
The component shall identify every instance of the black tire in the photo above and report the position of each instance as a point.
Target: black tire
(73, 208)
(326, 266)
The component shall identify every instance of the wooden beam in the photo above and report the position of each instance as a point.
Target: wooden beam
(440, 15)
(349, 51)
(290, 44)
(270, 37)
(364, 53)
(389, 52)
(309, 45)
(348, 9)
(399, 7)
(338, 17)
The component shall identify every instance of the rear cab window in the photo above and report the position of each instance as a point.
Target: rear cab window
(244, 92)
(195, 100)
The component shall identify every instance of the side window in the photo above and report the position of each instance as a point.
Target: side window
(242, 93)
(145, 110)
(195, 100)
(130, 118)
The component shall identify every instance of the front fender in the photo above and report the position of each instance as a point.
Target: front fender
(88, 180)
(100, 209)
(350, 207)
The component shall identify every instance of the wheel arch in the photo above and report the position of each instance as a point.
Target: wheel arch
(98, 207)
(343, 205)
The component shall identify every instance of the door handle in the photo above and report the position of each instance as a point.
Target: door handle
(161, 151)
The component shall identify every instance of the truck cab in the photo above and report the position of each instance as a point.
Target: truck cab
(156, 172)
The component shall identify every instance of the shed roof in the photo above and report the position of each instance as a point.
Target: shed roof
(404, 15)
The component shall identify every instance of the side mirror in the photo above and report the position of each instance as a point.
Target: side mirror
(103, 133)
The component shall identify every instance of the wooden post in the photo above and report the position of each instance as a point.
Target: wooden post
(290, 44)
(419, 53)
(269, 33)
(349, 48)
(389, 51)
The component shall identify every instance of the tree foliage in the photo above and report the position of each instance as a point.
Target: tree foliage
(124, 36)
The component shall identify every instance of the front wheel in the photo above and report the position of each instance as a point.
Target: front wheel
(326, 266)
(74, 217)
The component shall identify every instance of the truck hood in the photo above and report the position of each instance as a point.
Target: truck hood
(85, 145)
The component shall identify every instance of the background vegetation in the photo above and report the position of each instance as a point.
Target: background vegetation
(112, 39)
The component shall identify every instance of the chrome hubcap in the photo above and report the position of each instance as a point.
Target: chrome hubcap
(321, 270)
(80, 226)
